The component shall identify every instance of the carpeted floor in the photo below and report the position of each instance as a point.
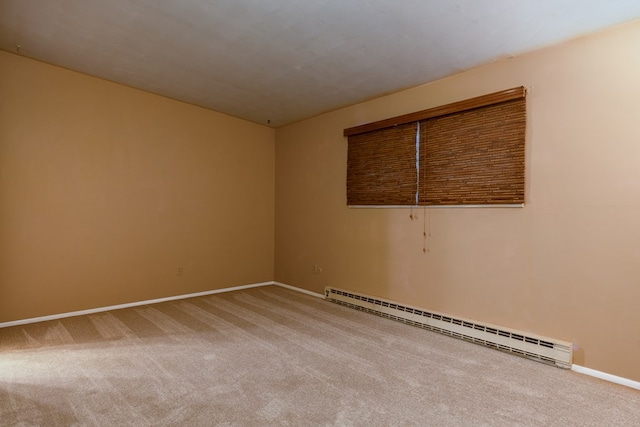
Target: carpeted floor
(269, 356)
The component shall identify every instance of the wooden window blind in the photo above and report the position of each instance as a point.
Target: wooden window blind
(474, 157)
(470, 153)
(381, 167)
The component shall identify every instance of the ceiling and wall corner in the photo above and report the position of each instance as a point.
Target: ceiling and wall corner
(566, 261)
(276, 62)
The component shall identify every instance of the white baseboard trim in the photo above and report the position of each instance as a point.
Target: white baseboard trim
(131, 304)
(607, 377)
(304, 291)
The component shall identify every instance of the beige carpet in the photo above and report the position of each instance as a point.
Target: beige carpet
(270, 356)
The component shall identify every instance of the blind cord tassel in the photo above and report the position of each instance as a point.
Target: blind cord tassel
(425, 241)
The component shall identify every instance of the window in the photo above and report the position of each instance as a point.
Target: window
(467, 153)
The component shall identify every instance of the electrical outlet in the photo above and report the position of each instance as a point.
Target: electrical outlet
(317, 269)
(180, 271)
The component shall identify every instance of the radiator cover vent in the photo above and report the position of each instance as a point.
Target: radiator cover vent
(541, 349)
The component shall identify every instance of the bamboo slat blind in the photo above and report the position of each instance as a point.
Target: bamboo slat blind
(381, 167)
(471, 153)
(474, 157)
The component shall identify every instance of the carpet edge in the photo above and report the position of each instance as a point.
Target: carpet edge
(605, 376)
(130, 304)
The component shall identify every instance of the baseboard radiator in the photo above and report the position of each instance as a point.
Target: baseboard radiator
(541, 349)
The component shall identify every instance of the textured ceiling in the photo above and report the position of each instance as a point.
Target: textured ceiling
(286, 60)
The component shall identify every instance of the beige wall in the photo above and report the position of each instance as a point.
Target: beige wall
(105, 191)
(565, 266)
